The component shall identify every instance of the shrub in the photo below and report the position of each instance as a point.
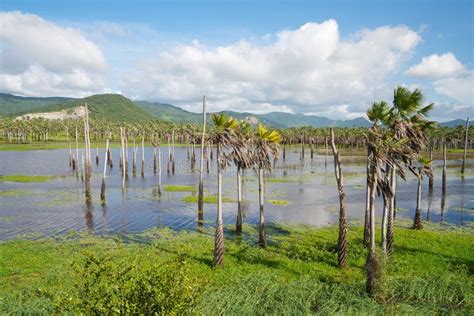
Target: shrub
(109, 285)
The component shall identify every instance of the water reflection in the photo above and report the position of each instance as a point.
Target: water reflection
(310, 190)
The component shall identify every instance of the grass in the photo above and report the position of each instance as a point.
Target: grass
(280, 202)
(25, 178)
(210, 199)
(179, 188)
(430, 273)
(11, 192)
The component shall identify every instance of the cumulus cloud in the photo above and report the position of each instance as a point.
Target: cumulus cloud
(41, 58)
(437, 66)
(305, 70)
(458, 88)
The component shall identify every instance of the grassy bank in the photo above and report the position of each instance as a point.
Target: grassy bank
(169, 271)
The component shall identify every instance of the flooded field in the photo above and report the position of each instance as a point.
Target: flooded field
(295, 193)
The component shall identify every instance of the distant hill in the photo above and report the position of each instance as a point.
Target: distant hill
(453, 123)
(12, 105)
(112, 107)
(116, 107)
(168, 112)
(171, 113)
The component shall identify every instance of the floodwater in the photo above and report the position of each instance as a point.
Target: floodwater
(34, 210)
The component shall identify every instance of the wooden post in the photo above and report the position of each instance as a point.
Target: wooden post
(465, 146)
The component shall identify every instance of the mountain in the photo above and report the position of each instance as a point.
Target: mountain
(12, 105)
(171, 113)
(115, 107)
(112, 107)
(168, 112)
(453, 123)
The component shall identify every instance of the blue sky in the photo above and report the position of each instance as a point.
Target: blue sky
(174, 51)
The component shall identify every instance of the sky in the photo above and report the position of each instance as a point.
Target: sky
(327, 58)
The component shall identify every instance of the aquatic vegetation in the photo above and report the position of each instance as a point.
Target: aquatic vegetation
(280, 202)
(25, 178)
(179, 188)
(6, 219)
(209, 199)
(12, 193)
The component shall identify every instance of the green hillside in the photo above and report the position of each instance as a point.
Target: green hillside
(168, 112)
(12, 105)
(112, 107)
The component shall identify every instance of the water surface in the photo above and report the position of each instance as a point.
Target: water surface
(57, 207)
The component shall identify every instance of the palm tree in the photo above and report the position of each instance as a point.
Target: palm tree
(225, 136)
(408, 121)
(422, 169)
(242, 162)
(377, 114)
(266, 146)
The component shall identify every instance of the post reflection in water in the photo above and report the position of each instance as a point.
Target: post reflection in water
(308, 188)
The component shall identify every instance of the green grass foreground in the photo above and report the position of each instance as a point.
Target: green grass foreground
(166, 272)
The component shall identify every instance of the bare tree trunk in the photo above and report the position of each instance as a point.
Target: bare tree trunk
(159, 170)
(465, 146)
(154, 159)
(238, 222)
(77, 154)
(342, 240)
(172, 150)
(201, 166)
(431, 176)
(88, 163)
(386, 205)
(417, 222)
(444, 169)
(219, 237)
(102, 188)
(124, 163)
(134, 167)
(143, 155)
(261, 199)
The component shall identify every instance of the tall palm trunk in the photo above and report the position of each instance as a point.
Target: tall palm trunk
(417, 224)
(201, 166)
(391, 211)
(386, 206)
(342, 240)
(261, 195)
(372, 265)
(465, 146)
(366, 236)
(238, 222)
(219, 237)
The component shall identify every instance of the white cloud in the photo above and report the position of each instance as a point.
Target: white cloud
(458, 88)
(307, 69)
(41, 58)
(437, 66)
